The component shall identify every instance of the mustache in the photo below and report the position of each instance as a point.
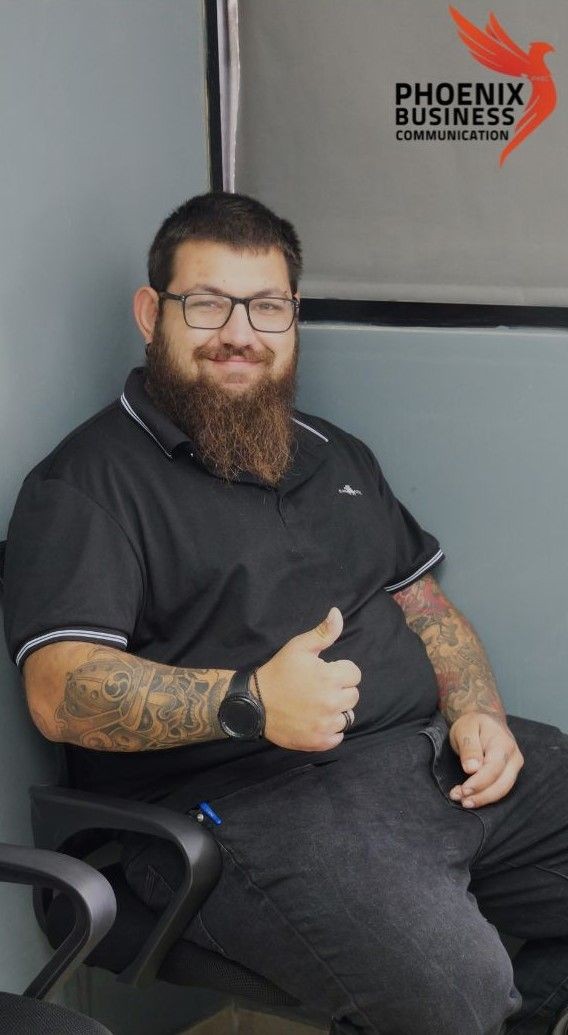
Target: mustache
(227, 351)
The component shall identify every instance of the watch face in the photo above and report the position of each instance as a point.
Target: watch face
(240, 717)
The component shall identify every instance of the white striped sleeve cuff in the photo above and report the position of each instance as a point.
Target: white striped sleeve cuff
(395, 586)
(112, 639)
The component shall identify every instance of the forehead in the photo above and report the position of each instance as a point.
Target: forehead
(239, 271)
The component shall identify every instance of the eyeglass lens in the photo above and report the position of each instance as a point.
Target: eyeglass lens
(265, 314)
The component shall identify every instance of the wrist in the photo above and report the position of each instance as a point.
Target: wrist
(452, 717)
(241, 713)
(254, 686)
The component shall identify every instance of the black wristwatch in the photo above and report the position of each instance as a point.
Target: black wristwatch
(241, 714)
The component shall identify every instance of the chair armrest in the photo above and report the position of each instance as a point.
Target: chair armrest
(90, 893)
(58, 813)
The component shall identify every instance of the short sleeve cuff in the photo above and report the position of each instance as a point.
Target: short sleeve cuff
(394, 587)
(107, 637)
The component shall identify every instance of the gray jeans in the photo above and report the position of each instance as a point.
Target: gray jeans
(362, 890)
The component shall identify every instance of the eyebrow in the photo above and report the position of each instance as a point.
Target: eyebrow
(210, 289)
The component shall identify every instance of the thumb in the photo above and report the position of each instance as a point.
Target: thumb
(324, 634)
(466, 743)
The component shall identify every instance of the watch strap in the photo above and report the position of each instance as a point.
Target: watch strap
(240, 683)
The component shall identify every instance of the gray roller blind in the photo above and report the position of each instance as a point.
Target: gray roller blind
(434, 220)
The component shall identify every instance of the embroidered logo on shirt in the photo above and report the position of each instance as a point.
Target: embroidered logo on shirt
(348, 491)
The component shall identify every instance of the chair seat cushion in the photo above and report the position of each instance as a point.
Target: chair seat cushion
(185, 963)
(22, 1016)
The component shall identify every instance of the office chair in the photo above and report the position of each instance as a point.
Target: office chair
(142, 947)
(560, 1025)
(92, 909)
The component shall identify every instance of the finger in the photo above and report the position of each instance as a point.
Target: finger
(500, 751)
(347, 673)
(496, 777)
(331, 741)
(331, 734)
(467, 744)
(323, 635)
(495, 791)
(484, 777)
(337, 699)
(320, 742)
(347, 719)
(349, 697)
(497, 756)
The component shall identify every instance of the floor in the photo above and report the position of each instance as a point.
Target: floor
(237, 1021)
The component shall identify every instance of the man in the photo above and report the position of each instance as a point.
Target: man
(217, 599)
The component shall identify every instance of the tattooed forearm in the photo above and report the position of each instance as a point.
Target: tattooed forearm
(118, 702)
(465, 680)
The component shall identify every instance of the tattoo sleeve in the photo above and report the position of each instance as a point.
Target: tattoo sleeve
(119, 702)
(465, 679)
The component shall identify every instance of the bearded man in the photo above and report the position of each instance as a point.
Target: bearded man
(216, 598)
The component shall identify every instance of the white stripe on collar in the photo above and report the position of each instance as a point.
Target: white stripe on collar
(134, 415)
(308, 428)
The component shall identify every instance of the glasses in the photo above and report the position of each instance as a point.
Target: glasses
(211, 312)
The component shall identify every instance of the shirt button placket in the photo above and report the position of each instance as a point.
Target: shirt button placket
(281, 508)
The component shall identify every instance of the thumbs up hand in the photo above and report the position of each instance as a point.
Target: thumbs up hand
(305, 697)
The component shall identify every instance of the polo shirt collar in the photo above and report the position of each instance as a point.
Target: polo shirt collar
(138, 405)
(309, 446)
(310, 450)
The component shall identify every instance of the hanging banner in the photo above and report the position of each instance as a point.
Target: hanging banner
(421, 148)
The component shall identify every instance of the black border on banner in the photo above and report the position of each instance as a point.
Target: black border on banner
(213, 78)
(361, 310)
(430, 314)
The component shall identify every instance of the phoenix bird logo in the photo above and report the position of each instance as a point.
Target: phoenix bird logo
(493, 48)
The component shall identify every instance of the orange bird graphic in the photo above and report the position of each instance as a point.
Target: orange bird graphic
(496, 50)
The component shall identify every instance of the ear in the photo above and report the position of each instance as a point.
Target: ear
(145, 308)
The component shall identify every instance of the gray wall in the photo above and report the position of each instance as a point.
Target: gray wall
(102, 123)
(472, 431)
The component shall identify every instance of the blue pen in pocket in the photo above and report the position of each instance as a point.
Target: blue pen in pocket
(208, 811)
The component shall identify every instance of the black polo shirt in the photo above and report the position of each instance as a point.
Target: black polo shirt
(122, 536)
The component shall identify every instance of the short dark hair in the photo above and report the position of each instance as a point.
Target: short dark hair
(232, 219)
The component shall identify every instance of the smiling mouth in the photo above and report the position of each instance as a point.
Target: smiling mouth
(234, 359)
(244, 357)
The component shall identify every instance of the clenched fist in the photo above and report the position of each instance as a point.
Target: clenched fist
(305, 698)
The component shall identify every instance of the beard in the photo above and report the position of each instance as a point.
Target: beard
(250, 432)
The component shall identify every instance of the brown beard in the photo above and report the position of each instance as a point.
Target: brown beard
(247, 433)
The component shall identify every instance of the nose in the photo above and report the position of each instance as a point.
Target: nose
(237, 330)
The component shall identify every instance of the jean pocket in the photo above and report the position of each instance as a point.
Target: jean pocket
(238, 817)
(248, 794)
(199, 932)
(153, 869)
(445, 765)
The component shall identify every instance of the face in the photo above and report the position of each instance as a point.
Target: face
(236, 357)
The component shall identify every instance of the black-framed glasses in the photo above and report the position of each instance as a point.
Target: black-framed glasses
(211, 312)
